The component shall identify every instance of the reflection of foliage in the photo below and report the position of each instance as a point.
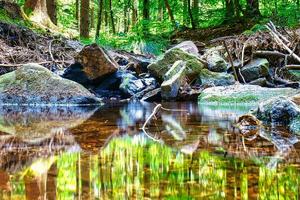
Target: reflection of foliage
(279, 184)
(66, 177)
(136, 167)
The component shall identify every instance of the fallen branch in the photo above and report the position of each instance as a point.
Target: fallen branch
(269, 53)
(294, 67)
(40, 63)
(155, 110)
(280, 42)
(231, 61)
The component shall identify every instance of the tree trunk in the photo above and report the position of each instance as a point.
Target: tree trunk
(92, 16)
(146, 16)
(84, 18)
(170, 13)
(229, 13)
(185, 13)
(191, 15)
(112, 17)
(77, 12)
(51, 7)
(38, 13)
(134, 12)
(252, 9)
(196, 12)
(99, 19)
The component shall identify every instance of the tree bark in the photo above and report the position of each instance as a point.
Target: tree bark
(112, 17)
(99, 19)
(77, 12)
(134, 12)
(84, 18)
(252, 9)
(146, 16)
(38, 13)
(170, 13)
(51, 7)
(191, 15)
(196, 12)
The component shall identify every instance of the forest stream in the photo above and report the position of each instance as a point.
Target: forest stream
(190, 151)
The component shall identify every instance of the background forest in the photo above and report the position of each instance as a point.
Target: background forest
(150, 24)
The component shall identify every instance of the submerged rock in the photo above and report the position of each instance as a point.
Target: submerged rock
(162, 66)
(173, 80)
(34, 84)
(258, 68)
(242, 94)
(91, 64)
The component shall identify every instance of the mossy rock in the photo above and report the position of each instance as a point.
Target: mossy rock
(242, 94)
(207, 77)
(295, 126)
(34, 84)
(162, 65)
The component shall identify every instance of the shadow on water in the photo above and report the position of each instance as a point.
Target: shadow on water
(102, 153)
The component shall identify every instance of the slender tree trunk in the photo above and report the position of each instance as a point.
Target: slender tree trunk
(229, 13)
(51, 7)
(170, 13)
(99, 19)
(252, 9)
(196, 12)
(146, 16)
(185, 13)
(92, 16)
(191, 15)
(84, 18)
(134, 12)
(77, 12)
(112, 17)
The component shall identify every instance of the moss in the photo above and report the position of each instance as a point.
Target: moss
(160, 68)
(242, 94)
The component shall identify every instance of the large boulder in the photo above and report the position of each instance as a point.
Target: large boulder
(188, 47)
(34, 84)
(162, 65)
(296, 99)
(174, 78)
(257, 68)
(235, 94)
(91, 64)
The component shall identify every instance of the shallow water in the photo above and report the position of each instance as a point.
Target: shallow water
(194, 152)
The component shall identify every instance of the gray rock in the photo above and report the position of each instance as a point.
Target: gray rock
(258, 68)
(153, 95)
(188, 47)
(174, 78)
(209, 78)
(261, 82)
(216, 62)
(131, 85)
(162, 65)
(34, 84)
(278, 110)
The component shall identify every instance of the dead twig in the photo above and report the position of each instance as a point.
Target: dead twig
(231, 61)
(40, 63)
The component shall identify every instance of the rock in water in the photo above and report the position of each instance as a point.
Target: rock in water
(34, 84)
(162, 66)
(258, 68)
(250, 94)
(173, 80)
(188, 47)
(278, 110)
(91, 64)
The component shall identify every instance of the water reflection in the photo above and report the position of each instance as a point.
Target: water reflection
(103, 154)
